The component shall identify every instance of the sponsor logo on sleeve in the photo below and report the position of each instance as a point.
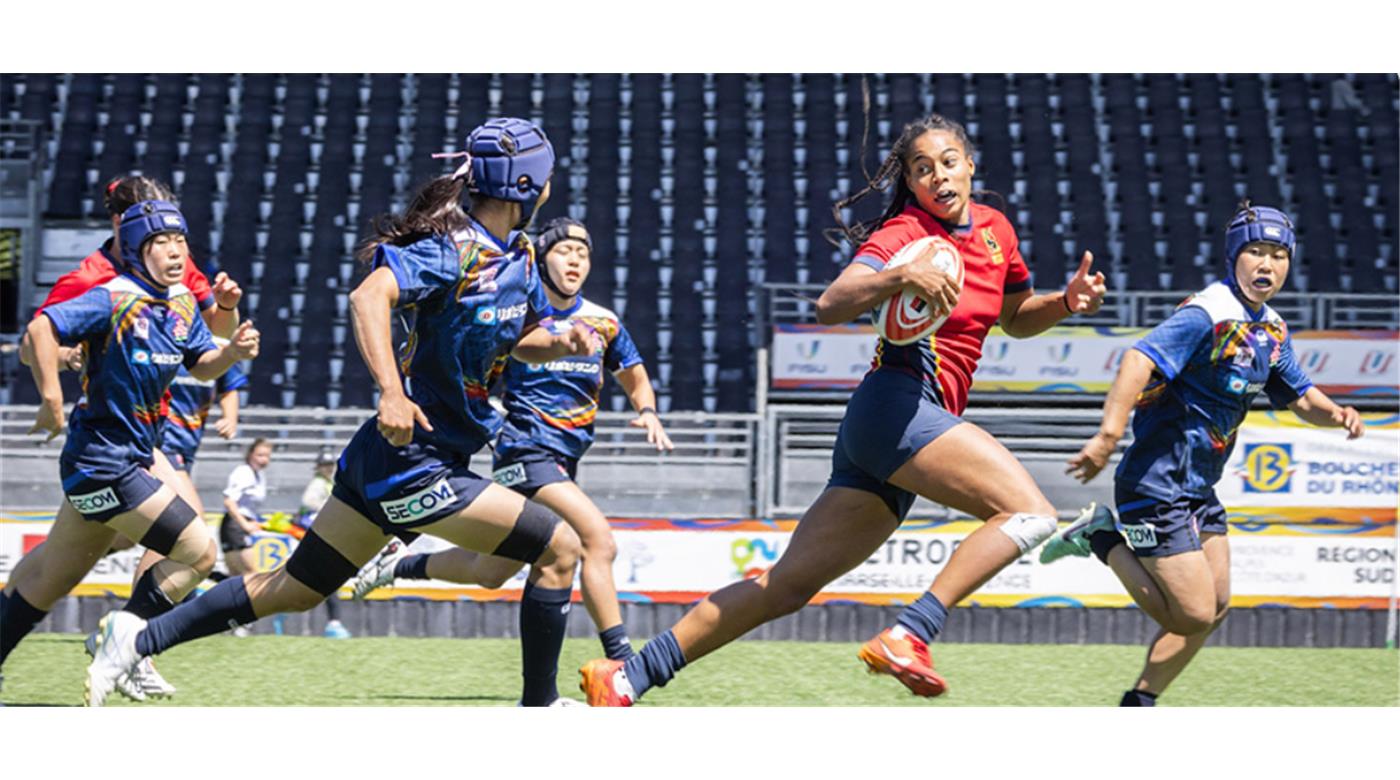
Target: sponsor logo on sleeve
(424, 503)
(93, 503)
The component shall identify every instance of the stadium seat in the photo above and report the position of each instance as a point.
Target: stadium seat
(698, 188)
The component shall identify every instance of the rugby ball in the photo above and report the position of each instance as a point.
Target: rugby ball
(904, 317)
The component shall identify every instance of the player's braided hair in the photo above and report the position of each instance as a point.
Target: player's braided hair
(436, 209)
(889, 172)
(122, 192)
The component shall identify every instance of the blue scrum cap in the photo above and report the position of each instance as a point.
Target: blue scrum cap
(144, 220)
(1257, 223)
(511, 159)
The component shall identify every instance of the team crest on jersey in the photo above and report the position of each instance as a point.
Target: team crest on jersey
(990, 240)
(142, 327)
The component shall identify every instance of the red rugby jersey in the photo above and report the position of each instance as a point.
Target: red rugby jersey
(993, 266)
(99, 267)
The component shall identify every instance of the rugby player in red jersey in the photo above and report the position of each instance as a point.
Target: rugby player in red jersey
(902, 435)
(45, 584)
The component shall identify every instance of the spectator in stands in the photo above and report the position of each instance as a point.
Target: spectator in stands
(460, 259)
(548, 428)
(244, 494)
(315, 496)
(1189, 384)
(218, 307)
(902, 435)
(136, 330)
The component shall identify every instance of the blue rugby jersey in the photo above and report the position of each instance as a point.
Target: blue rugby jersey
(1212, 357)
(554, 405)
(135, 339)
(471, 298)
(190, 402)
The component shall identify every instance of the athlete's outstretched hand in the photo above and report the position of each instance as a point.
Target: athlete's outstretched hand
(927, 282)
(1347, 417)
(245, 341)
(656, 433)
(580, 339)
(397, 415)
(1090, 461)
(227, 427)
(227, 293)
(49, 418)
(72, 358)
(1084, 293)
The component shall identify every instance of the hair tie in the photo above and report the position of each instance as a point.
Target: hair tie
(464, 170)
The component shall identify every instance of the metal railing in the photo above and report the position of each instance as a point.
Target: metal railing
(796, 458)
(794, 304)
(710, 472)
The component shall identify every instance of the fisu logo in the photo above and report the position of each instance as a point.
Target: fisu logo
(1376, 363)
(1313, 360)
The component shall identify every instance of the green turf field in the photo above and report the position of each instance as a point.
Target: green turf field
(269, 670)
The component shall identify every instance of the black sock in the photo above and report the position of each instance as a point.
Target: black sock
(224, 606)
(147, 600)
(616, 645)
(1103, 542)
(333, 607)
(17, 618)
(412, 567)
(1138, 699)
(544, 617)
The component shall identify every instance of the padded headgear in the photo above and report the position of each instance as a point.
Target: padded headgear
(142, 222)
(1256, 223)
(511, 159)
(556, 230)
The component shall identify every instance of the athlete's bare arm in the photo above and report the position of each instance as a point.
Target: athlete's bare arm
(44, 367)
(859, 288)
(216, 362)
(1025, 314)
(1133, 375)
(1317, 409)
(637, 384)
(370, 307)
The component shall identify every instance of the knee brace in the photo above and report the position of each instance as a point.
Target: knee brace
(166, 530)
(319, 566)
(530, 537)
(1028, 530)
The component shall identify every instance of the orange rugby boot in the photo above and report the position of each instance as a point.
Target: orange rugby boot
(605, 684)
(905, 657)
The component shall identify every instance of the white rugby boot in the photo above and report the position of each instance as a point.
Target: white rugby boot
(114, 655)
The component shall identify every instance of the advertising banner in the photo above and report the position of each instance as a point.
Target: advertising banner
(1280, 461)
(1070, 359)
(1293, 557)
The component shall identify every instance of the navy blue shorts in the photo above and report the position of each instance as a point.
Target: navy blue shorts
(888, 420)
(403, 487)
(1154, 528)
(101, 496)
(527, 469)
